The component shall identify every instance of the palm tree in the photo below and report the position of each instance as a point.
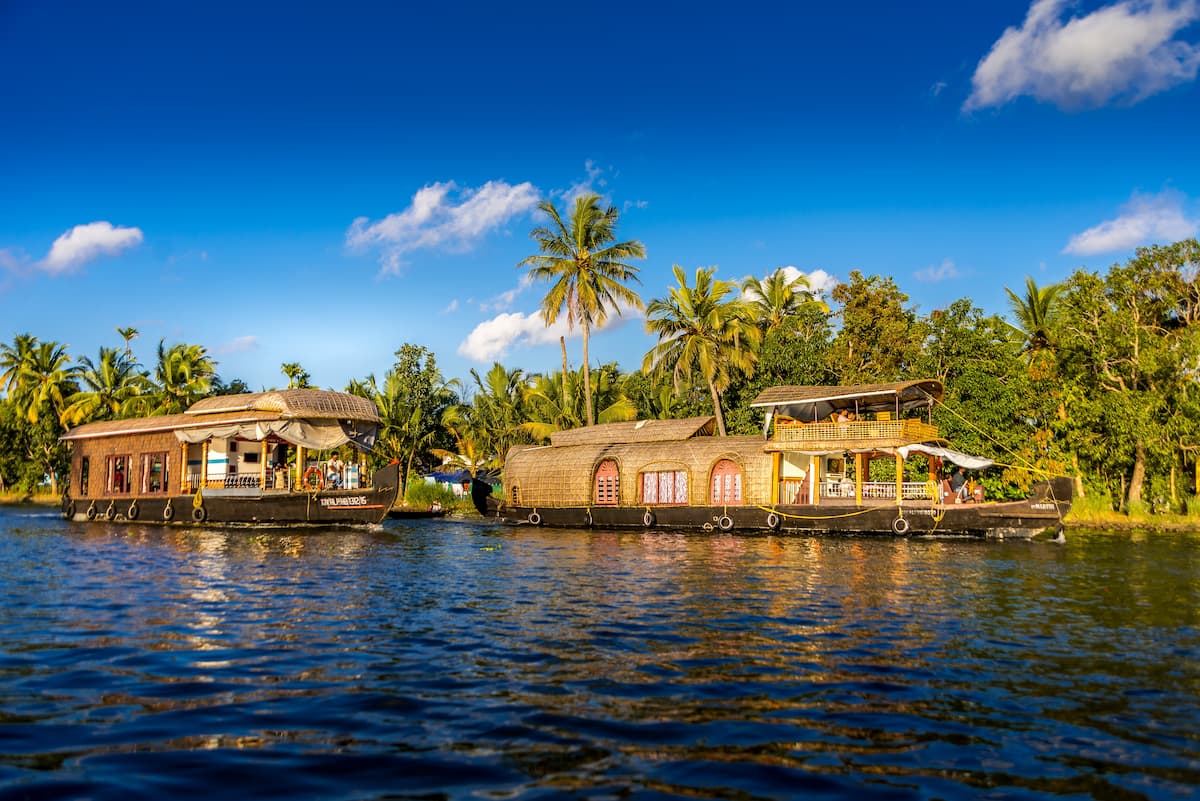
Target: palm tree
(546, 414)
(112, 386)
(1036, 314)
(297, 376)
(45, 382)
(12, 357)
(587, 269)
(183, 375)
(128, 334)
(698, 330)
(498, 409)
(471, 451)
(775, 298)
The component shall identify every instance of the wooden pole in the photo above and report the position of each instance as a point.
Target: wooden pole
(262, 467)
(858, 478)
(899, 479)
(299, 467)
(815, 484)
(183, 482)
(204, 465)
(776, 466)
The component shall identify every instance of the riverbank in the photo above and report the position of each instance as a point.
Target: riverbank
(24, 499)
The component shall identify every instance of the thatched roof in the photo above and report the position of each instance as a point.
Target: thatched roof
(162, 422)
(636, 431)
(313, 404)
(817, 402)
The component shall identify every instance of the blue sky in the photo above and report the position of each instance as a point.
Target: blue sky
(322, 183)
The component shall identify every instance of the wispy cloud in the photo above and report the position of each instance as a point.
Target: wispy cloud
(86, 242)
(1143, 220)
(946, 271)
(237, 345)
(593, 182)
(1126, 51)
(451, 308)
(493, 338)
(505, 300)
(442, 216)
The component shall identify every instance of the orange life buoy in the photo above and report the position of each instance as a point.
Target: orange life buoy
(309, 475)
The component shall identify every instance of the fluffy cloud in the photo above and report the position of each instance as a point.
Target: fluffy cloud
(932, 275)
(492, 338)
(1125, 51)
(86, 242)
(1143, 220)
(237, 345)
(441, 215)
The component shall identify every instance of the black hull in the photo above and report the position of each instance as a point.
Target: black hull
(217, 507)
(1023, 519)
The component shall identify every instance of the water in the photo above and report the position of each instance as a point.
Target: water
(441, 659)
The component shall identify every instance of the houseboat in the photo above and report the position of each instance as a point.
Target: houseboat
(861, 458)
(232, 459)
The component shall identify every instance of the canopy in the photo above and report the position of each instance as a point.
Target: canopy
(315, 435)
(814, 403)
(960, 459)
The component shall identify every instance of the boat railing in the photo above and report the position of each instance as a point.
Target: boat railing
(796, 492)
(787, 432)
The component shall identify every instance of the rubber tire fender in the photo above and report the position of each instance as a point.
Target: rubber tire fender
(725, 523)
(648, 519)
(900, 526)
(132, 512)
(69, 512)
(110, 512)
(534, 519)
(168, 513)
(587, 519)
(199, 514)
(91, 512)
(773, 521)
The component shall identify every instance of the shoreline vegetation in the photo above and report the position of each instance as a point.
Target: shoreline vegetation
(1096, 377)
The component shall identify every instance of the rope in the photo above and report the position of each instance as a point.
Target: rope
(785, 515)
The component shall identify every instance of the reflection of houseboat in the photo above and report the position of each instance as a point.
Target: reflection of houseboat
(231, 459)
(831, 459)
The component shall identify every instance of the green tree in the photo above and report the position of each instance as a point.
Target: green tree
(587, 271)
(12, 357)
(183, 374)
(546, 413)
(297, 376)
(701, 332)
(128, 334)
(411, 403)
(1036, 313)
(878, 339)
(776, 299)
(111, 387)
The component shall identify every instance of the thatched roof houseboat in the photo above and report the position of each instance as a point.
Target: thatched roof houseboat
(232, 459)
(829, 459)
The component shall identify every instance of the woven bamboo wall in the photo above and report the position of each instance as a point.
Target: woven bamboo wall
(549, 477)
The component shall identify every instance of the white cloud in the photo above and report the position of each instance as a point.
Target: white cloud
(592, 183)
(1144, 219)
(1125, 51)
(12, 260)
(451, 308)
(86, 242)
(492, 338)
(441, 215)
(505, 299)
(635, 204)
(237, 345)
(946, 271)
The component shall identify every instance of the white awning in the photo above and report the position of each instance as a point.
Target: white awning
(960, 459)
(315, 435)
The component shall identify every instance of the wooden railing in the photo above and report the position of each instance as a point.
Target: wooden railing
(790, 491)
(915, 430)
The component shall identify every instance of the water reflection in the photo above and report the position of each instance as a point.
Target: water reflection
(456, 660)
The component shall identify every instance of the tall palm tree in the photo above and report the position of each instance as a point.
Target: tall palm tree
(12, 357)
(45, 382)
(128, 334)
(587, 269)
(546, 414)
(112, 386)
(1036, 315)
(700, 331)
(183, 374)
(775, 298)
(498, 409)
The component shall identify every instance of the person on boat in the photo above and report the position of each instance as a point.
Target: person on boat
(958, 484)
(333, 472)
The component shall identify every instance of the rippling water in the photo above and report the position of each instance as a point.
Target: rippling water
(436, 659)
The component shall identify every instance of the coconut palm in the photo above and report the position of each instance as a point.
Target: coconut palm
(471, 449)
(297, 376)
(547, 414)
(112, 386)
(183, 374)
(776, 298)
(587, 269)
(1036, 315)
(700, 331)
(128, 334)
(45, 381)
(12, 357)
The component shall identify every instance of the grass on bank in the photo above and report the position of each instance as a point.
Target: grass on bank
(1095, 510)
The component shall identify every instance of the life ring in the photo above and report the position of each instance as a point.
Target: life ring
(90, 514)
(773, 521)
(69, 511)
(132, 512)
(199, 514)
(900, 525)
(168, 511)
(648, 519)
(725, 523)
(535, 519)
(111, 511)
(308, 482)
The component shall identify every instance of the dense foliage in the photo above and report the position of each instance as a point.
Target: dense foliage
(1096, 377)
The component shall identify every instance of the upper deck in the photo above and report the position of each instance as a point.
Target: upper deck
(852, 435)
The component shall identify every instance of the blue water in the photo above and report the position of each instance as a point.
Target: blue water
(446, 659)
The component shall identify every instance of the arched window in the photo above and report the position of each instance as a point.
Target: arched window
(726, 483)
(608, 484)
